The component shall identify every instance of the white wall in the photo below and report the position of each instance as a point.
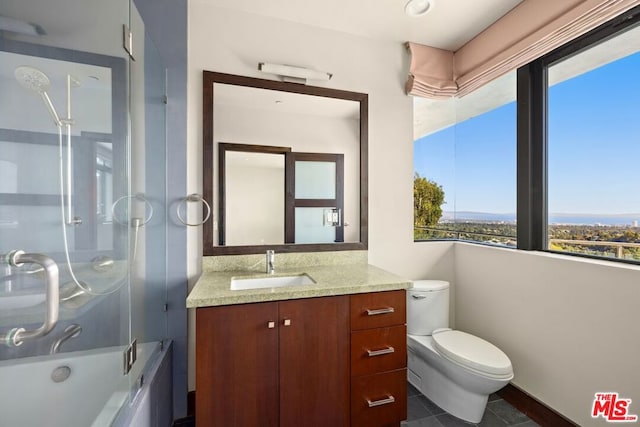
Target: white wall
(234, 42)
(569, 325)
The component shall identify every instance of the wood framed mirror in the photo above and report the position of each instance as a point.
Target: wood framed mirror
(246, 111)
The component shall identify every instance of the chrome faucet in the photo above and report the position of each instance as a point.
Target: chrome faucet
(271, 262)
(70, 331)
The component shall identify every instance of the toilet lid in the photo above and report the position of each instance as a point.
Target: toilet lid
(473, 353)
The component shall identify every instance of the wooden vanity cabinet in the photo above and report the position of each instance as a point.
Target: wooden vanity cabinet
(273, 364)
(378, 359)
(329, 361)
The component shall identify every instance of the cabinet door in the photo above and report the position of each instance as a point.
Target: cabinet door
(237, 366)
(314, 362)
(379, 400)
(378, 350)
(378, 309)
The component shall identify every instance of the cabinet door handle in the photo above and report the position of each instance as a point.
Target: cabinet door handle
(271, 325)
(382, 351)
(389, 399)
(375, 312)
(287, 322)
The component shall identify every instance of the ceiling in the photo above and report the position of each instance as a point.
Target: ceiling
(448, 25)
(285, 102)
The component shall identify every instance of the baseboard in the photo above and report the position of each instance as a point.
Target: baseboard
(533, 408)
(190, 419)
(191, 403)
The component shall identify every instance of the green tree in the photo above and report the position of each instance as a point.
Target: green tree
(428, 198)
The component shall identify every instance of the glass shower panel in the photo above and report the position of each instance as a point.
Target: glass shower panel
(148, 282)
(65, 200)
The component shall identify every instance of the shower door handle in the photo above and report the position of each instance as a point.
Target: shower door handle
(17, 336)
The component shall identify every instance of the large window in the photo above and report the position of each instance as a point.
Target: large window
(593, 146)
(568, 172)
(465, 171)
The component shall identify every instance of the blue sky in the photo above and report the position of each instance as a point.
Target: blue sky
(594, 149)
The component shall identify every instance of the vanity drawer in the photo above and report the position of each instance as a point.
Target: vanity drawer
(378, 309)
(379, 400)
(378, 350)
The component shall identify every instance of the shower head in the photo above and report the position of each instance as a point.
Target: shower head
(37, 81)
(32, 79)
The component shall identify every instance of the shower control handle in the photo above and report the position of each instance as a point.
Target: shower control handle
(17, 336)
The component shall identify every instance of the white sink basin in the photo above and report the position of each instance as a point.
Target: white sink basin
(239, 283)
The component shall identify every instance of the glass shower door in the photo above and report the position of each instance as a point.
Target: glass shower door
(66, 201)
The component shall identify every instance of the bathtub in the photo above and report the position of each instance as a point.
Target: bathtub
(92, 395)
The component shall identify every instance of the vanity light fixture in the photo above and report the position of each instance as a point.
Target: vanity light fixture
(416, 8)
(289, 73)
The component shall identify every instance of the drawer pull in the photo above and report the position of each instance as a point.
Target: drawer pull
(377, 311)
(382, 351)
(389, 399)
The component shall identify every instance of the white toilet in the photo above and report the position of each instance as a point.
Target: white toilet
(455, 370)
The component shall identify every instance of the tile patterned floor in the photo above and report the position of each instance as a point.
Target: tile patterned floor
(421, 412)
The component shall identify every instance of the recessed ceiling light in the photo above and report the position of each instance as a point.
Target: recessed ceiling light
(415, 8)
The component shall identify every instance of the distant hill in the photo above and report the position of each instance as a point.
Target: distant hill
(555, 218)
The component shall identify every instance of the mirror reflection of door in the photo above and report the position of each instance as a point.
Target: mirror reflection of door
(315, 198)
(252, 182)
(270, 195)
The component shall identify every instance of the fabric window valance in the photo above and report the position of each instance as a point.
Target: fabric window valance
(529, 31)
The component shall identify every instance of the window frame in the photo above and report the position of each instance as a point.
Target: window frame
(532, 136)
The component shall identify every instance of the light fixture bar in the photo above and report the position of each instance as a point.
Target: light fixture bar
(294, 72)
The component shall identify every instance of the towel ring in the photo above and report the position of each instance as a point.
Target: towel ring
(138, 196)
(193, 198)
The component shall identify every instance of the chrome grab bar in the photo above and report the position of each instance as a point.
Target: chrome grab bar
(17, 336)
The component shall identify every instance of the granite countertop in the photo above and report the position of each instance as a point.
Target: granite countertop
(213, 287)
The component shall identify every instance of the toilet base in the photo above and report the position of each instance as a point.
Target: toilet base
(444, 392)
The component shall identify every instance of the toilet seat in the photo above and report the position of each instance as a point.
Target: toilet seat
(473, 353)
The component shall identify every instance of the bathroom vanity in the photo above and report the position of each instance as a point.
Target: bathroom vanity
(330, 353)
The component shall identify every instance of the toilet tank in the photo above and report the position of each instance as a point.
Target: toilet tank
(427, 306)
